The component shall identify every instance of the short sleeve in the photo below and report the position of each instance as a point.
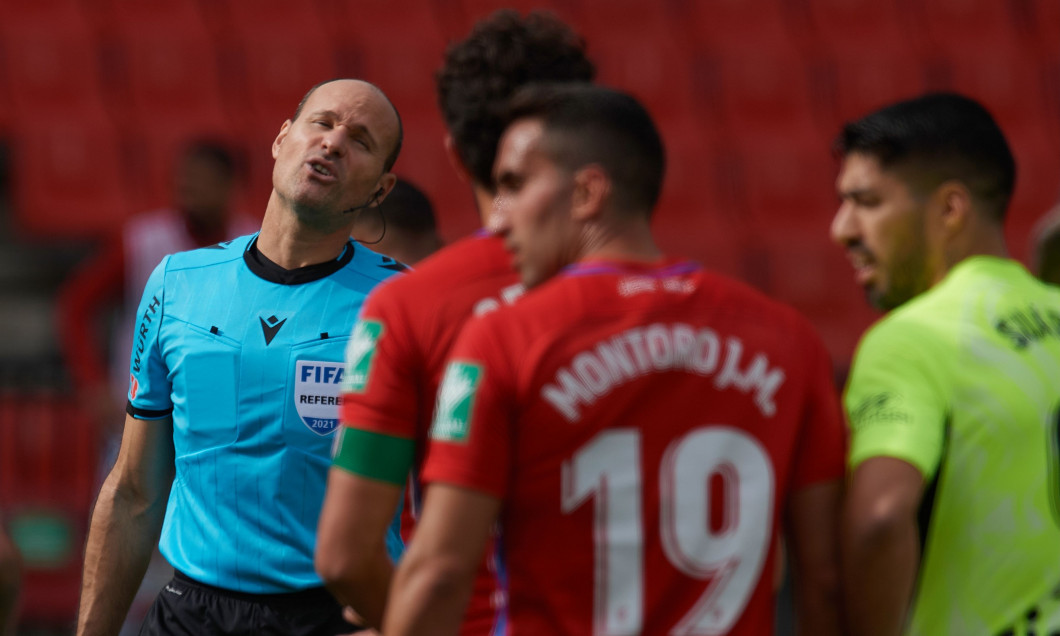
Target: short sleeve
(470, 440)
(823, 442)
(381, 383)
(895, 400)
(150, 391)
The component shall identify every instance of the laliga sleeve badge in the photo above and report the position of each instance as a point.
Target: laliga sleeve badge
(318, 394)
(134, 387)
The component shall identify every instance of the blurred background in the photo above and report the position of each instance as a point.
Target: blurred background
(97, 97)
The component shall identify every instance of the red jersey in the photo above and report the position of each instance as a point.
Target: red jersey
(417, 317)
(645, 426)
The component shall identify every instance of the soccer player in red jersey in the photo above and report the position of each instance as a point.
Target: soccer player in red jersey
(396, 355)
(640, 427)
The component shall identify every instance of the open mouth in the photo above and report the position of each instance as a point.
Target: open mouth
(864, 266)
(321, 169)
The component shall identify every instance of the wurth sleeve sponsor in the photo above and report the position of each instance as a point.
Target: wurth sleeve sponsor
(149, 385)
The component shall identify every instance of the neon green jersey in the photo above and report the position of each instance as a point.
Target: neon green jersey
(963, 382)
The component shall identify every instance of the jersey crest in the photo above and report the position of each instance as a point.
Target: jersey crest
(317, 394)
(456, 396)
(359, 354)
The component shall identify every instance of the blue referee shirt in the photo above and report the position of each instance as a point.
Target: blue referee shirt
(248, 359)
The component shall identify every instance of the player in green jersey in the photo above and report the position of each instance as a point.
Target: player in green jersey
(952, 517)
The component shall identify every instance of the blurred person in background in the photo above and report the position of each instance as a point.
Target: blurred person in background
(202, 213)
(951, 524)
(1046, 248)
(234, 392)
(10, 576)
(403, 227)
(639, 427)
(395, 360)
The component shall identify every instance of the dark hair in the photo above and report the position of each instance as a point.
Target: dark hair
(481, 72)
(218, 152)
(391, 159)
(587, 124)
(935, 138)
(408, 208)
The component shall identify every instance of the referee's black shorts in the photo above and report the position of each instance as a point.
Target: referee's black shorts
(186, 607)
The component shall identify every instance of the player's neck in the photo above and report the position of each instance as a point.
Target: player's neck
(629, 241)
(981, 243)
(483, 201)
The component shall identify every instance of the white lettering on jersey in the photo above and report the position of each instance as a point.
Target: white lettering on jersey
(657, 348)
(508, 295)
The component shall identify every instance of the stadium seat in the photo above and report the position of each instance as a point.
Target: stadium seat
(19, 12)
(646, 61)
(403, 67)
(152, 15)
(788, 177)
(951, 25)
(269, 69)
(1043, 19)
(51, 63)
(473, 10)
(1009, 81)
(804, 269)
(862, 80)
(170, 74)
(845, 27)
(763, 88)
(48, 455)
(736, 24)
(67, 175)
(1037, 182)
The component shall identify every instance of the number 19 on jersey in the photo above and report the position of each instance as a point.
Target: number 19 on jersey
(609, 470)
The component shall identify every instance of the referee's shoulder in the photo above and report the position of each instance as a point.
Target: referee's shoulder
(375, 266)
(216, 254)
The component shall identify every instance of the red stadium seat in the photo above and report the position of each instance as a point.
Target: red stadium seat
(271, 69)
(1008, 81)
(170, 72)
(1037, 183)
(51, 63)
(646, 61)
(67, 175)
(788, 177)
(1043, 18)
(763, 88)
(737, 24)
(862, 81)
(472, 11)
(700, 214)
(48, 467)
(951, 25)
(845, 27)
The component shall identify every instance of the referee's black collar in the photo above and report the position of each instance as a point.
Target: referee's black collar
(265, 269)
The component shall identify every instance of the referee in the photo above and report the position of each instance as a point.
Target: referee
(233, 399)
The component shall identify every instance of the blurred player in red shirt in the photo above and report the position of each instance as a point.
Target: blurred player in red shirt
(641, 427)
(396, 355)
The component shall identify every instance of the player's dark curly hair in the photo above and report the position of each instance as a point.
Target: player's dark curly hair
(479, 74)
(934, 138)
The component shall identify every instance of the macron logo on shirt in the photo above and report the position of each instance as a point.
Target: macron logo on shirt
(270, 327)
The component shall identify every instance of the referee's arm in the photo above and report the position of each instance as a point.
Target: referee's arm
(126, 523)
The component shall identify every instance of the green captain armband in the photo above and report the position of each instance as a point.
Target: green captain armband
(374, 455)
